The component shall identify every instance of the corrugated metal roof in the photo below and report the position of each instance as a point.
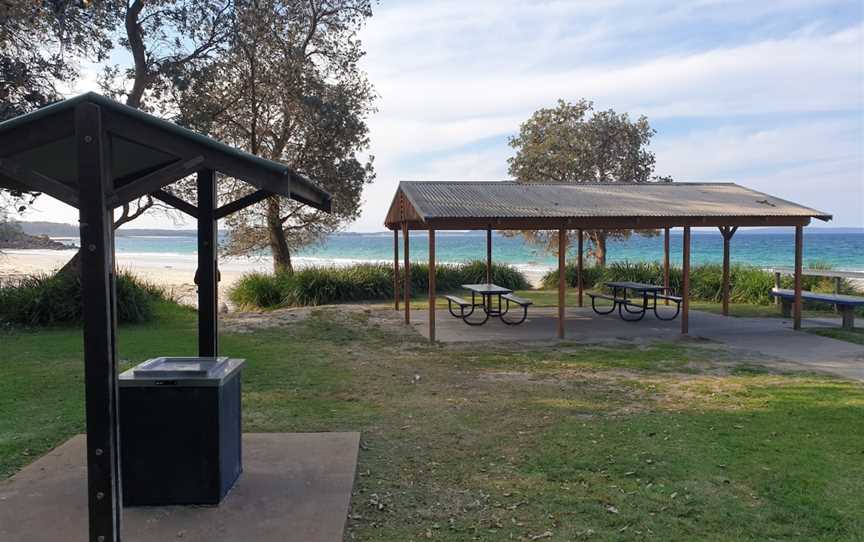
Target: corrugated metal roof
(510, 199)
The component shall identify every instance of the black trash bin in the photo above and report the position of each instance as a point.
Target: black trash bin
(180, 437)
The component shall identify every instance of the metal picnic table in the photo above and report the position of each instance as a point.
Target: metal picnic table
(648, 292)
(487, 291)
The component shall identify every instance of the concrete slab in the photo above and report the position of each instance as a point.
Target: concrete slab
(295, 487)
(771, 338)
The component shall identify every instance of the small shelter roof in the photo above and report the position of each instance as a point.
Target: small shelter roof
(514, 205)
(146, 153)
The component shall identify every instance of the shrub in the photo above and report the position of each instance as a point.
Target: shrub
(591, 275)
(44, 300)
(256, 290)
(748, 284)
(361, 282)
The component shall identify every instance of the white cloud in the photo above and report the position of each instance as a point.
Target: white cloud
(453, 75)
(776, 89)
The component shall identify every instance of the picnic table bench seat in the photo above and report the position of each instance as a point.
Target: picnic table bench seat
(515, 299)
(615, 301)
(459, 302)
(846, 304)
(625, 304)
(463, 304)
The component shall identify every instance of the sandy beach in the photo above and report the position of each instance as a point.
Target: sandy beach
(174, 272)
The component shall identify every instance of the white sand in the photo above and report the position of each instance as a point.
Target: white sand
(174, 272)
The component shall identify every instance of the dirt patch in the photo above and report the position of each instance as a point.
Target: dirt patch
(249, 322)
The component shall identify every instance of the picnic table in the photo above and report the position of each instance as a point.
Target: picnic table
(488, 292)
(635, 308)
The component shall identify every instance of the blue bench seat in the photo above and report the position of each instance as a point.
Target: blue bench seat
(846, 304)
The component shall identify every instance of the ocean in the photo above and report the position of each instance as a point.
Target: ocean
(759, 248)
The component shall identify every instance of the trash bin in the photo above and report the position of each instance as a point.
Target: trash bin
(180, 437)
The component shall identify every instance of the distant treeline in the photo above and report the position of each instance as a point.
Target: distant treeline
(56, 229)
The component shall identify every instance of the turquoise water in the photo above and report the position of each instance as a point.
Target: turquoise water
(840, 250)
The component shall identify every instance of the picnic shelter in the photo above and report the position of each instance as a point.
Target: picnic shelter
(96, 155)
(509, 205)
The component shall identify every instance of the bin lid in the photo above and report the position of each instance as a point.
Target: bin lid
(189, 370)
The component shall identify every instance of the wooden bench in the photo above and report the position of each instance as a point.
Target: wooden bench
(515, 299)
(846, 304)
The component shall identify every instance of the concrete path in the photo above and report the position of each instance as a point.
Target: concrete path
(770, 338)
(295, 487)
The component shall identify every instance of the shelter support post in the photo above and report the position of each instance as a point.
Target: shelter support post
(799, 255)
(580, 262)
(777, 286)
(666, 262)
(207, 275)
(489, 255)
(727, 232)
(396, 269)
(838, 281)
(685, 284)
(100, 325)
(407, 277)
(431, 285)
(562, 280)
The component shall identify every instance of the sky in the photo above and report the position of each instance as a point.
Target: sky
(763, 93)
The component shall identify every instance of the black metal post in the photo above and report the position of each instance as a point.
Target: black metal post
(99, 312)
(208, 283)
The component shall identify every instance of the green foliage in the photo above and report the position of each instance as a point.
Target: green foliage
(749, 284)
(257, 290)
(361, 282)
(573, 143)
(45, 300)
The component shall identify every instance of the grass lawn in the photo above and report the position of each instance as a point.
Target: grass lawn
(855, 335)
(553, 443)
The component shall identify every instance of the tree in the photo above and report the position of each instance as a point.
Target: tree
(164, 38)
(41, 45)
(571, 143)
(289, 89)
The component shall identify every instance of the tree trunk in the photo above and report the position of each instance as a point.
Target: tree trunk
(598, 239)
(278, 244)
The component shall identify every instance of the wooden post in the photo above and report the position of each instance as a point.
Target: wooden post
(777, 286)
(396, 268)
(685, 284)
(666, 263)
(562, 280)
(207, 275)
(489, 255)
(100, 327)
(407, 277)
(579, 264)
(727, 233)
(837, 283)
(431, 285)
(799, 256)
